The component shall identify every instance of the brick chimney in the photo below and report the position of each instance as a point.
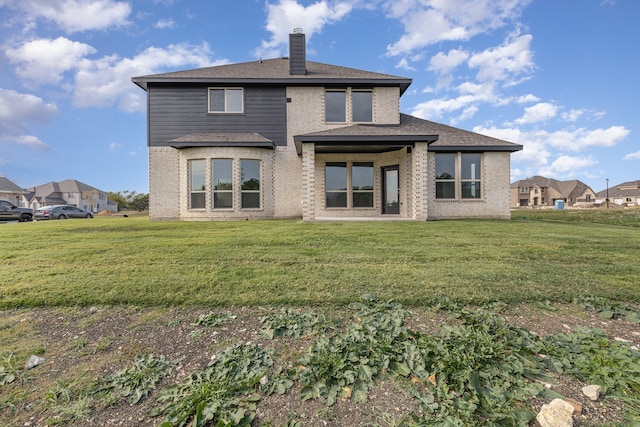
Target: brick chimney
(297, 53)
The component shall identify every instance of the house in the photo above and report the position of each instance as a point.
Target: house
(10, 191)
(287, 137)
(539, 191)
(69, 192)
(625, 194)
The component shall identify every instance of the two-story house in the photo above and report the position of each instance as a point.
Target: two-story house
(69, 192)
(540, 191)
(288, 137)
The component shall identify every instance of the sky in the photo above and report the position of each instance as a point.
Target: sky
(559, 77)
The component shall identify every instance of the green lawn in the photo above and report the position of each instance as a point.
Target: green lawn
(136, 262)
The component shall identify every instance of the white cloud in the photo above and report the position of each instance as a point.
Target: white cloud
(580, 139)
(567, 166)
(538, 113)
(165, 23)
(286, 15)
(77, 15)
(17, 112)
(633, 156)
(24, 140)
(18, 109)
(445, 62)
(45, 60)
(512, 58)
(107, 81)
(427, 22)
(526, 99)
(113, 147)
(572, 115)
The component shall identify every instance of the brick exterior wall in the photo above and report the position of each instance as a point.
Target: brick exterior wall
(293, 185)
(495, 182)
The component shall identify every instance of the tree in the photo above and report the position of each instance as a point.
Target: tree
(130, 200)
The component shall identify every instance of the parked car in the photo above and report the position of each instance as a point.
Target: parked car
(9, 211)
(61, 212)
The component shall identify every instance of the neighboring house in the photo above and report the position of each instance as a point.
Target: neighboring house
(69, 192)
(288, 137)
(625, 194)
(11, 192)
(541, 191)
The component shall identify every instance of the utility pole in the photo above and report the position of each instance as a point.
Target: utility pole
(607, 192)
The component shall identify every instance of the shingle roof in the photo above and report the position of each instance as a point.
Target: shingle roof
(570, 188)
(626, 189)
(9, 186)
(275, 71)
(412, 129)
(224, 139)
(54, 190)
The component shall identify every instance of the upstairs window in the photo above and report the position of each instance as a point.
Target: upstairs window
(336, 106)
(362, 106)
(226, 100)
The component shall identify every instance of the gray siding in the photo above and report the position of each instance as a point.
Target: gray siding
(176, 111)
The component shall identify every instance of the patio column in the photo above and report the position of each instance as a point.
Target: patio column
(308, 181)
(420, 178)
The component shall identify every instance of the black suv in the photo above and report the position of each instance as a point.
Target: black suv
(9, 211)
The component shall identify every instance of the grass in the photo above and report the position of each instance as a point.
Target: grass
(537, 256)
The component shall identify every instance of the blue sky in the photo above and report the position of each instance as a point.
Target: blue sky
(559, 77)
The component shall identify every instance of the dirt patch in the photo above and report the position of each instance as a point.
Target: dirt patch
(81, 345)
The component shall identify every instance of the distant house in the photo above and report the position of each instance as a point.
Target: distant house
(540, 191)
(11, 192)
(69, 192)
(287, 137)
(625, 194)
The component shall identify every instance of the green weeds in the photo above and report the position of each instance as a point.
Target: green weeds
(212, 319)
(225, 392)
(136, 382)
(289, 322)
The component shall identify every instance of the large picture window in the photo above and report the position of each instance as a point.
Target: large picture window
(250, 184)
(458, 175)
(222, 172)
(226, 100)
(362, 106)
(349, 184)
(336, 106)
(197, 184)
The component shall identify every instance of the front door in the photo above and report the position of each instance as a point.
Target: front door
(390, 190)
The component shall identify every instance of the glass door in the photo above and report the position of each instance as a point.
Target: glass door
(390, 190)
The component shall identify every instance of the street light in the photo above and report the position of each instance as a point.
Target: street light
(607, 192)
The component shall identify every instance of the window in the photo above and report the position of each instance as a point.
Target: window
(362, 184)
(226, 100)
(197, 184)
(470, 176)
(335, 180)
(524, 189)
(250, 184)
(445, 176)
(362, 106)
(222, 172)
(336, 106)
(459, 175)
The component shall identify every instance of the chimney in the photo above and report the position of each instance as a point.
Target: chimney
(297, 53)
